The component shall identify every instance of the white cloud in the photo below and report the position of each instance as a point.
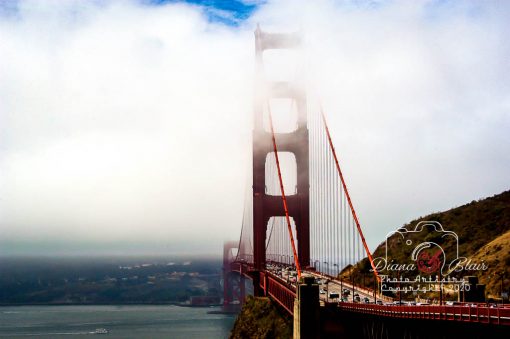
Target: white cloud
(130, 122)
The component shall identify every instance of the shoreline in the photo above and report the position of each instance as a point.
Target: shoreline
(110, 304)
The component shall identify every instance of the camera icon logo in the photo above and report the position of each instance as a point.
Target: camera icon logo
(428, 245)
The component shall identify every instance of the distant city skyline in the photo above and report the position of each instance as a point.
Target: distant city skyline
(125, 127)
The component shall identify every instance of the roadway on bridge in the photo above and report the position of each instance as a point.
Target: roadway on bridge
(331, 290)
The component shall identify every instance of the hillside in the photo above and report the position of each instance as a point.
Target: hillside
(496, 253)
(483, 229)
(261, 319)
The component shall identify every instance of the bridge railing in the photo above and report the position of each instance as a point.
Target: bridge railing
(235, 266)
(272, 286)
(488, 315)
(280, 292)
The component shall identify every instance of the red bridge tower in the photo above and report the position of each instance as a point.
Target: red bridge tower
(266, 206)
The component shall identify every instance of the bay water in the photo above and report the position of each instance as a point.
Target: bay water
(133, 321)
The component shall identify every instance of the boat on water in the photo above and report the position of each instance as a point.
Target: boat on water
(100, 331)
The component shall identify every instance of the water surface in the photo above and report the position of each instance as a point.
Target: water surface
(138, 321)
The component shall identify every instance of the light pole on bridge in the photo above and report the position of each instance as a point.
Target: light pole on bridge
(400, 290)
(501, 276)
(352, 280)
(327, 290)
(375, 290)
(315, 264)
(327, 264)
(440, 289)
(341, 289)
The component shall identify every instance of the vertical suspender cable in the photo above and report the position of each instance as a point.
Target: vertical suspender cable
(335, 220)
(323, 201)
(330, 215)
(323, 204)
(314, 191)
(316, 194)
(346, 230)
(311, 163)
(342, 232)
(327, 211)
(313, 224)
(320, 194)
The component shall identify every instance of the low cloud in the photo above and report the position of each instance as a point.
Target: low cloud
(126, 122)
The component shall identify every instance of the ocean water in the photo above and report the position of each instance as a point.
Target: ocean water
(138, 321)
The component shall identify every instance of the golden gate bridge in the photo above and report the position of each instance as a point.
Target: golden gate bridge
(299, 221)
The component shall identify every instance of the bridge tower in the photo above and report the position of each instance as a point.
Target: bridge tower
(266, 206)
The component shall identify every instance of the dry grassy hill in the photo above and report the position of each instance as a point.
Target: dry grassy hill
(483, 229)
(496, 254)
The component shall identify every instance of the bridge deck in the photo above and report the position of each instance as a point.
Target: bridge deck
(284, 294)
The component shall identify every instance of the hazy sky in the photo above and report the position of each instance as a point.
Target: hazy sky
(125, 126)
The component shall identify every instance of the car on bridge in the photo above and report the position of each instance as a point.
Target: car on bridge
(334, 295)
(453, 303)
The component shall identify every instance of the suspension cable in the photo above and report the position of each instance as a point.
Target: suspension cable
(376, 274)
(239, 247)
(270, 234)
(284, 199)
